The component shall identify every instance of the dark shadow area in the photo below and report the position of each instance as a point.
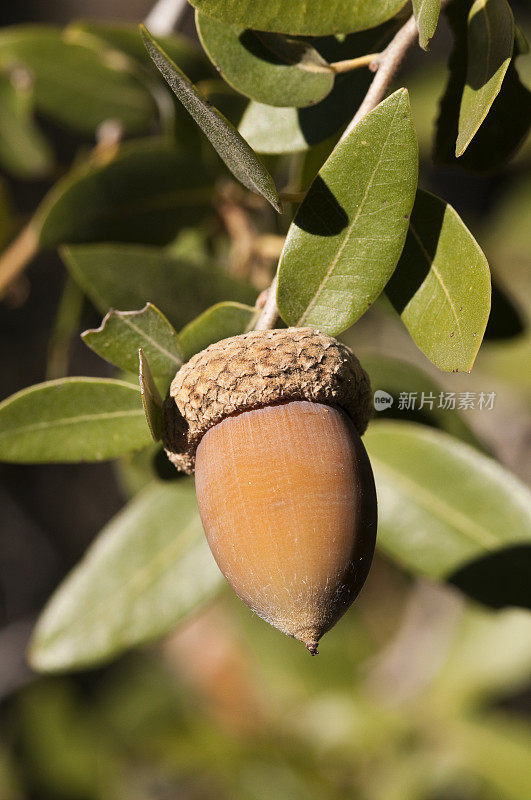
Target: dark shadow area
(478, 76)
(272, 47)
(506, 125)
(498, 579)
(505, 320)
(417, 255)
(321, 214)
(163, 467)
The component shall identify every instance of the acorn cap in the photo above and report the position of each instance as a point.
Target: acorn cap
(256, 369)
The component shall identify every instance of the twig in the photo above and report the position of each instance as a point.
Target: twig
(269, 313)
(387, 63)
(17, 256)
(165, 16)
(355, 63)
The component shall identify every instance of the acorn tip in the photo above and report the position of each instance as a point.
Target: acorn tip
(312, 648)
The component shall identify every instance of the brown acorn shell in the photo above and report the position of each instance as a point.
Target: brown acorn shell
(257, 369)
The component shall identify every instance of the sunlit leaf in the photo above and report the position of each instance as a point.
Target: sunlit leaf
(24, 151)
(149, 568)
(347, 236)
(268, 67)
(490, 46)
(73, 85)
(151, 399)
(129, 276)
(231, 147)
(427, 15)
(441, 503)
(441, 286)
(72, 419)
(301, 17)
(146, 193)
(219, 322)
(122, 333)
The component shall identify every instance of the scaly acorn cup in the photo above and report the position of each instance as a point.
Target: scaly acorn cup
(271, 423)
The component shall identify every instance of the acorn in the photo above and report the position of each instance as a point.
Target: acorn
(271, 423)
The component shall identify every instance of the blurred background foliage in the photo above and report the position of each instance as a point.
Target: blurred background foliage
(419, 692)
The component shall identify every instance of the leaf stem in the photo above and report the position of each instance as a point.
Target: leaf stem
(292, 197)
(18, 255)
(355, 63)
(388, 64)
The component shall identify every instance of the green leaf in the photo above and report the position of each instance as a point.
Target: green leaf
(490, 46)
(347, 236)
(427, 15)
(24, 151)
(301, 17)
(270, 129)
(394, 377)
(441, 503)
(122, 333)
(216, 323)
(148, 569)
(496, 748)
(521, 45)
(235, 152)
(151, 399)
(127, 276)
(490, 655)
(146, 193)
(273, 130)
(505, 126)
(265, 66)
(73, 85)
(124, 36)
(72, 419)
(441, 287)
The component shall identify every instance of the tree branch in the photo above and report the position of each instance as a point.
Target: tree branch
(386, 64)
(269, 313)
(17, 256)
